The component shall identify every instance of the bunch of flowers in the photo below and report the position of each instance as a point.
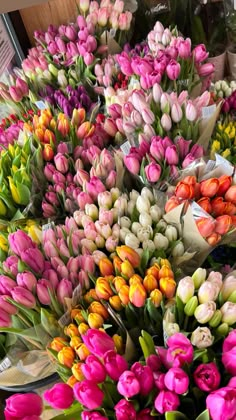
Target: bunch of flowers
(162, 158)
(216, 197)
(138, 116)
(223, 140)
(67, 100)
(173, 378)
(205, 307)
(229, 104)
(17, 92)
(223, 88)
(9, 132)
(169, 61)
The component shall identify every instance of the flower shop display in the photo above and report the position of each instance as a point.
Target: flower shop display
(117, 211)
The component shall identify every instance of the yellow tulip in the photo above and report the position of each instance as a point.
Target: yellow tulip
(3, 208)
(14, 192)
(226, 153)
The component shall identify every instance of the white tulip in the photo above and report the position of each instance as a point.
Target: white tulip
(121, 204)
(224, 85)
(178, 250)
(218, 85)
(145, 219)
(123, 233)
(132, 241)
(221, 94)
(148, 244)
(133, 195)
(147, 193)
(115, 193)
(155, 213)
(139, 251)
(143, 204)
(171, 233)
(161, 225)
(135, 227)
(160, 241)
(125, 222)
(144, 234)
(228, 92)
(130, 207)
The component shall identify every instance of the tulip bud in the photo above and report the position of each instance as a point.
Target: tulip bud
(77, 371)
(205, 312)
(156, 297)
(135, 227)
(143, 204)
(185, 289)
(216, 319)
(126, 252)
(103, 289)
(167, 286)
(83, 328)
(127, 269)
(150, 283)
(228, 311)
(155, 213)
(58, 343)
(124, 294)
(137, 295)
(171, 233)
(199, 276)
(191, 306)
(208, 291)
(125, 222)
(66, 356)
(132, 241)
(202, 338)
(75, 341)
(223, 329)
(116, 303)
(95, 320)
(178, 250)
(106, 267)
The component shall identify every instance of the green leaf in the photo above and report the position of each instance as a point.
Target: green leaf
(204, 415)
(145, 258)
(135, 215)
(153, 311)
(24, 193)
(180, 310)
(175, 415)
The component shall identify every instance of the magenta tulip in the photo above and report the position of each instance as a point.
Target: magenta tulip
(154, 362)
(27, 280)
(132, 164)
(128, 385)
(92, 415)
(93, 369)
(180, 350)
(21, 406)
(173, 70)
(171, 155)
(89, 394)
(207, 377)
(166, 401)
(7, 306)
(19, 242)
(229, 353)
(6, 285)
(114, 364)
(222, 403)
(176, 380)
(34, 259)
(5, 318)
(98, 342)
(23, 296)
(60, 396)
(153, 172)
(125, 410)
(144, 376)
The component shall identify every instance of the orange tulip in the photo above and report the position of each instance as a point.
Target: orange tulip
(154, 271)
(209, 187)
(77, 371)
(135, 279)
(166, 262)
(119, 344)
(79, 317)
(167, 287)
(103, 289)
(63, 126)
(82, 351)
(44, 119)
(35, 121)
(172, 203)
(231, 194)
(184, 191)
(106, 267)
(166, 271)
(127, 253)
(48, 153)
(53, 124)
(206, 226)
(118, 282)
(74, 312)
(75, 341)
(83, 328)
(72, 381)
(156, 297)
(116, 303)
(223, 224)
(49, 137)
(71, 330)
(218, 206)
(86, 129)
(95, 320)
(117, 264)
(127, 269)
(58, 343)
(39, 132)
(90, 296)
(78, 116)
(190, 179)
(98, 308)
(213, 239)
(124, 294)
(230, 208)
(66, 356)
(137, 295)
(225, 182)
(150, 283)
(205, 204)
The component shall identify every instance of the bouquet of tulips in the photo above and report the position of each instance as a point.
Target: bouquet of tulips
(223, 89)
(223, 140)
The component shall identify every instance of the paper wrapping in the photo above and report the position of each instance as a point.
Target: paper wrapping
(206, 127)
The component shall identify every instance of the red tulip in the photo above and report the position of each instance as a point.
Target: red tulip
(218, 206)
(209, 187)
(231, 194)
(205, 204)
(225, 183)
(184, 191)
(172, 203)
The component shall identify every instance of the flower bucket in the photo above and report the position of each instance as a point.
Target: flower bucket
(219, 63)
(231, 56)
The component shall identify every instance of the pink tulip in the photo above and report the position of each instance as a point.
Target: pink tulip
(173, 70)
(111, 180)
(89, 394)
(180, 350)
(42, 290)
(166, 401)
(166, 122)
(23, 406)
(23, 296)
(222, 403)
(64, 290)
(5, 318)
(10, 265)
(60, 267)
(61, 163)
(154, 362)
(22, 86)
(132, 164)
(183, 147)
(16, 94)
(70, 33)
(176, 380)
(171, 155)
(83, 199)
(125, 63)
(34, 259)
(128, 385)
(156, 92)
(125, 410)
(112, 243)
(98, 342)
(197, 151)
(19, 242)
(159, 380)
(7, 306)
(153, 172)
(6, 285)
(60, 396)
(114, 364)
(92, 415)
(27, 280)
(206, 69)
(207, 377)
(199, 53)
(94, 187)
(156, 149)
(52, 277)
(144, 376)
(189, 159)
(176, 113)
(94, 370)
(191, 112)
(184, 48)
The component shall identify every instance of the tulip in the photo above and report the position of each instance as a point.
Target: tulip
(199, 276)
(173, 70)
(205, 204)
(209, 187)
(66, 356)
(106, 267)
(58, 343)
(230, 194)
(206, 69)
(228, 287)
(132, 164)
(23, 296)
(125, 409)
(176, 113)
(185, 289)
(199, 53)
(124, 294)
(103, 289)
(177, 380)
(216, 319)
(228, 311)
(160, 241)
(27, 280)
(223, 224)
(205, 312)
(64, 290)
(27, 406)
(60, 396)
(5, 318)
(208, 292)
(137, 295)
(19, 242)
(206, 226)
(6, 285)
(93, 369)
(190, 306)
(184, 191)
(166, 401)
(167, 286)
(34, 259)
(125, 252)
(88, 394)
(153, 172)
(128, 385)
